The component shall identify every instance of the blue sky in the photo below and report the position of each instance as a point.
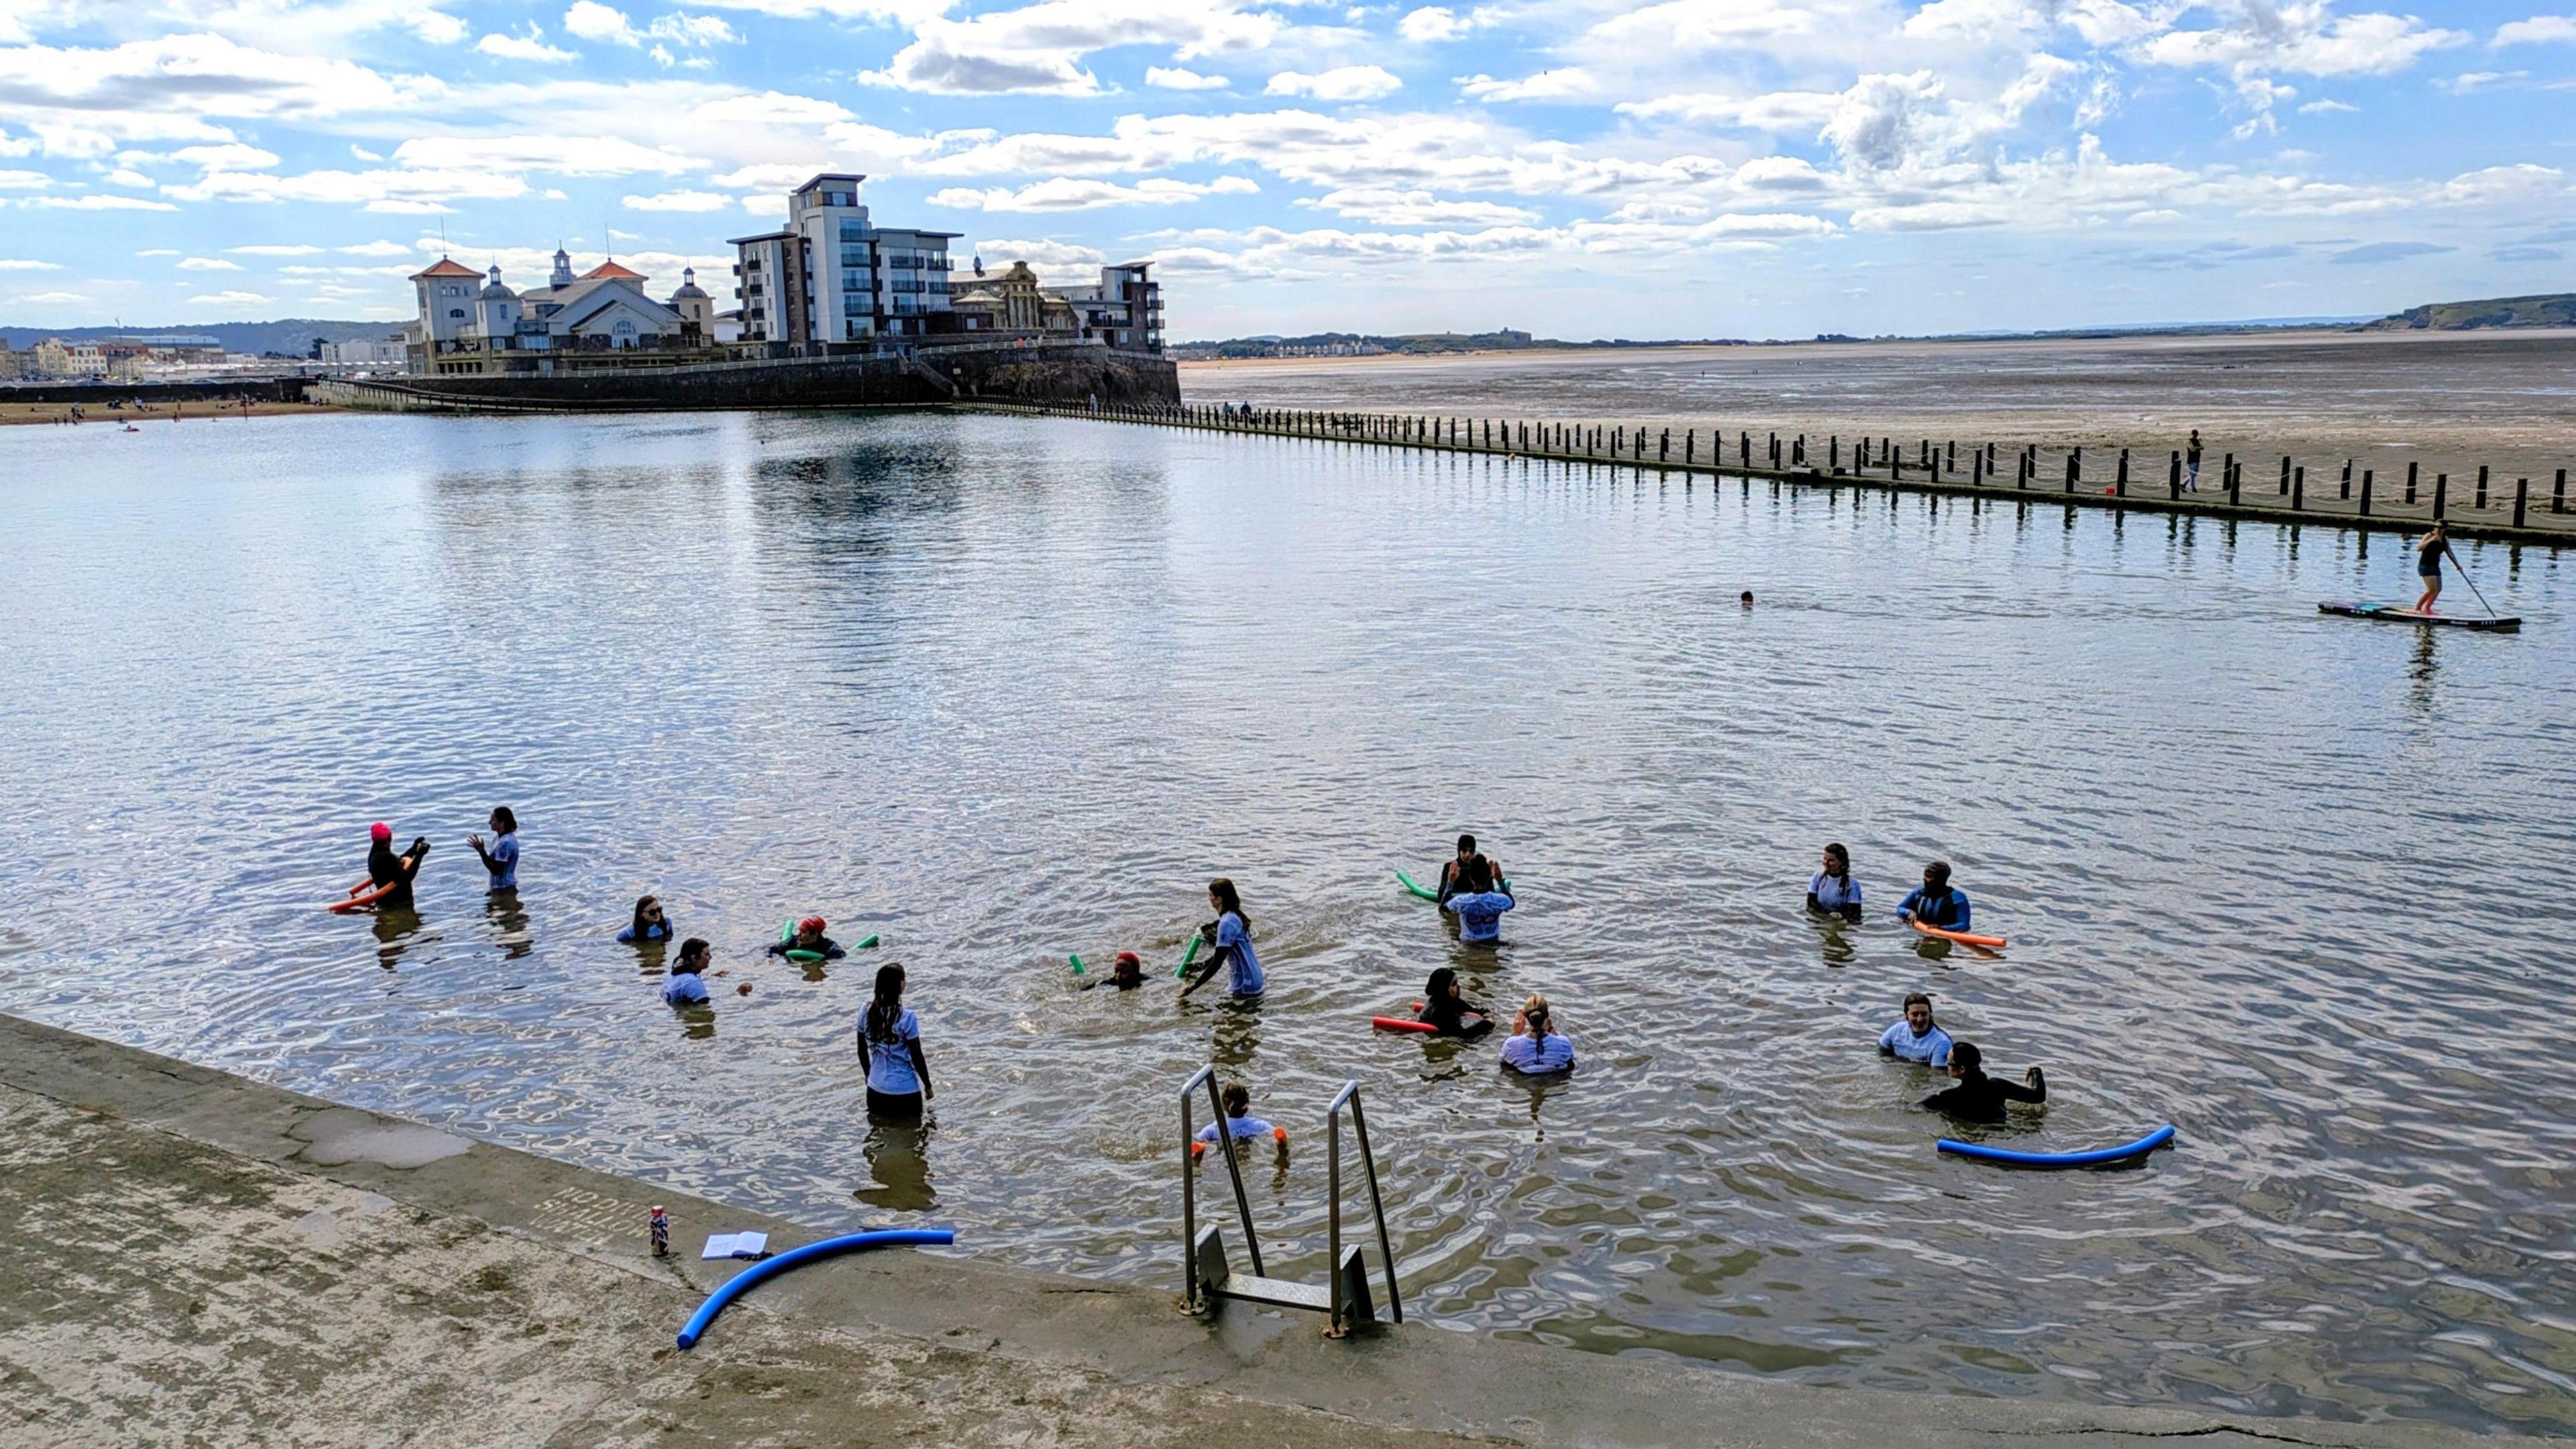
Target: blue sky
(1580, 168)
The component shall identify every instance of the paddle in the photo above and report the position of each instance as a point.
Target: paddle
(2464, 576)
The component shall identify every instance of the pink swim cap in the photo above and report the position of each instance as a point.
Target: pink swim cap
(380, 831)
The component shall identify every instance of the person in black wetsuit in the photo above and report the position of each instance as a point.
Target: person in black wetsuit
(1453, 870)
(1444, 1008)
(1981, 1098)
(2428, 568)
(386, 868)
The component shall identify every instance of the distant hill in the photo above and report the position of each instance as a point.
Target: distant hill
(2555, 309)
(292, 337)
(1412, 344)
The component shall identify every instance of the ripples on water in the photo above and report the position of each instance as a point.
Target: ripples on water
(1001, 690)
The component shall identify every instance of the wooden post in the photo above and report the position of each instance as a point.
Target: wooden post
(2120, 484)
(1977, 468)
(2521, 499)
(2345, 493)
(2410, 481)
(1775, 451)
(2482, 485)
(1954, 457)
(2558, 494)
(1690, 447)
(1744, 449)
(2298, 488)
(2285, 475)
(1834, 451)
(2074, 467)
(2441, 494)
(2173, 477)
(2365, 493)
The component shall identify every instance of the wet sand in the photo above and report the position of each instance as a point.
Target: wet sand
(2449, 401)
(95, 415)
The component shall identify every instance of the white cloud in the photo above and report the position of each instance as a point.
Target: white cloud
(96, 203)
(2304, 39)
(227, 157)
(207, 264)
(52, 297)
(1066, 193)
(2320, 108)
(296, 249)
(1392, 206)
(1547, 85)
(228, 299)
(1783, 112)
(1050, 258)
(1176, 78)
(1039, 48)
(1342, 83)
(11, 264)
(560, 155)
(158, 252)
(1432, 24)
(590, 20)
(529, 47)
(680, 201)
(128, 176)
(24, 181)
(376, 249)
(2538, 30)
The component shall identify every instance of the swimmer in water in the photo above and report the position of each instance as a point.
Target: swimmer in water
(1231, 934)
(1745, 599)
(1935, 902)
(1127, 973)
(1240, 1124)
(1832, 891)
(1445, 1009)
(1450, 868)
(649, 924)
(1981, 1098)
(1536, 1046)
(501, 858)
(687, 986)
(1918, 1038)
(386, 868)
(809, 937)
(1478, 906)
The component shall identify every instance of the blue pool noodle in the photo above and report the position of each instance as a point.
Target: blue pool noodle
(768, 1268)
(2095, 1158)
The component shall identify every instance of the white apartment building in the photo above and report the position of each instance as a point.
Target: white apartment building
(831, 276)
(1124, 310)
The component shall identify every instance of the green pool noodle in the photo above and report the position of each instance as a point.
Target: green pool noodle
(1077, 964)
(869, 944)
(1187, 957)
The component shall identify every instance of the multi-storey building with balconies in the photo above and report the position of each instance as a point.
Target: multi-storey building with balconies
(832, 276)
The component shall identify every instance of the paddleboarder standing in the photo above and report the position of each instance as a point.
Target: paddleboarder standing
(2428, 567)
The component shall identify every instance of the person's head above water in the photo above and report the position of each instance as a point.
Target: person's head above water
(1475, 876)
(1965, 1060)
(1129, 969)
(1745, 598)
(810, 928)
(1466, 846)
(1918, 1012)
(503, 821)
(1238, 1100)
(1221, 895)
(1837, 860)
(1936, 876)
(1442, 986)
(693, 957)
(885, 1005)
(380, 833)
(1534, 1011)
(648, 913)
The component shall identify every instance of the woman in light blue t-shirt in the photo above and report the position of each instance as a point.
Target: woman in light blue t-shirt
(889, 1038)
(1231, 934)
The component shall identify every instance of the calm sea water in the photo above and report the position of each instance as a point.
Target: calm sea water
(1000, 690)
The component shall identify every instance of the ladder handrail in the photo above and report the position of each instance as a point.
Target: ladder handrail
(1350, 1096)
(1189, 1183)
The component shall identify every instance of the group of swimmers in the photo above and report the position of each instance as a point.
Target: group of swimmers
(1473, 888)
(1975, 1096)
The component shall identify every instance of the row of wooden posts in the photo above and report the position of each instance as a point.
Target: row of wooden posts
(1930, 461)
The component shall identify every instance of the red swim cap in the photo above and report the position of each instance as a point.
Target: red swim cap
(811, 923)
(1130, 958)
(380, 831)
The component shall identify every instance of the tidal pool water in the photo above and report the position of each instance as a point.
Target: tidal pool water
(1003, 689)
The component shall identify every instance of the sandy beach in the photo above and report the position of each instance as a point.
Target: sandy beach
(94, 415)
(2449, 401)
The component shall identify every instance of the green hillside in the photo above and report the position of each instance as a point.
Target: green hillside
(2556, 309)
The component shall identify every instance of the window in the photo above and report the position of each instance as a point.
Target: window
(854, 304)
(854, 231)
(455, 311)
(856, 282)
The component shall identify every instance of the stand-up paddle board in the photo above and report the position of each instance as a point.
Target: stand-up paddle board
(2396, 614)
(1990, 943)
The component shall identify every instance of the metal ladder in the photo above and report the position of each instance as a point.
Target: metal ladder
(1344, 1297)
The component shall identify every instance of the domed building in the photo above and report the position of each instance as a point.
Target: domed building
(600, 317)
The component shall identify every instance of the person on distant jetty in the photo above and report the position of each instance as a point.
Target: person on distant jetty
(1240, 1124)
(2428, 567)
(2191, 464)
(1449, 868)
(1981, 1098)
(687, 986)
(1935, 902)
(384, 868)
(502, 858)
(809, 937)
(1477, 905)
(890, 1046)
(1536, 1046)
(649, 924)
(1231, 935)
(1832, 891)
(1445, 1009)
(1918, 1038)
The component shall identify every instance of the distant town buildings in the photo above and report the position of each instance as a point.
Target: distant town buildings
(830, 282)
(107, 359)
